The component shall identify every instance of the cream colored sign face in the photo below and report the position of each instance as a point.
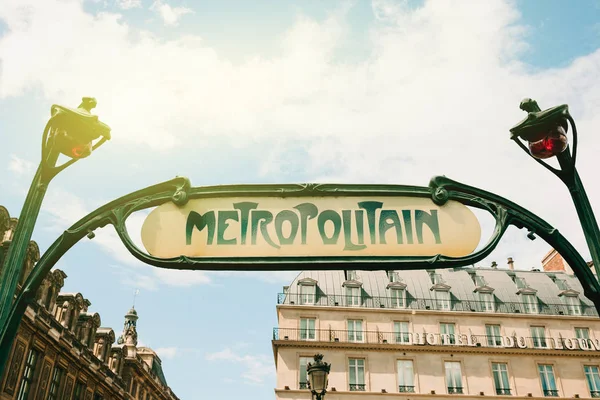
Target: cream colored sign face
(265, 227)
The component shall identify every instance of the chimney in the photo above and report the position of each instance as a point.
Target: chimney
(511, 263)
(494, 265)
(554, 262)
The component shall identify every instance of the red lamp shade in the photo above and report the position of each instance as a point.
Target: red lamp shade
(70, 147)
(549, 143)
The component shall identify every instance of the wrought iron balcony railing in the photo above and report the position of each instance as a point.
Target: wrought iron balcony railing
(411, 303)
(303, 385)
(406, 389)
(357, 387)
(551, 393)
(503, 391)
(427, 339)
(595, 393)
(455, 390)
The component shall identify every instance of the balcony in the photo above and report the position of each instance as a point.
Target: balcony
(455, 390)
(357, 387)
(419, 339)
(406, 389)
(595, 394)
(503, 392)
(551, 393)
(433, 304)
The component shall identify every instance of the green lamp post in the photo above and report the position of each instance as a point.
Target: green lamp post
(318, 376)
(546, 135)
(74, 133)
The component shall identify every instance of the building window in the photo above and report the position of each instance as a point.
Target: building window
(27, 377)
(548, 380)
(538, 336)
(442, 299)
(582, 333)
(394, 277)
(307, 329)
(487, 302)
(307, 294)
(303, 376)
(57, 378)
(493, 335)
(401, 333)
(134, 387)
(398, 298)
(98, 396)
(355, 332)
(573, 305)
(351, 275)
(592, 375)
(453, 377)
(447, 333)
(530, 303)
(500, 371)
(353, 297)
(356, 374)
(406, 376)
(80, 389)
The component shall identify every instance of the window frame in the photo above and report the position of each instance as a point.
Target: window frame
(307, 298)
(539, 342)
(443, 303)
(303, 384)
(402, 383)
(450, 377)
(56, 382)
(395, 298)
(451, 336)
(305, 332)
(79, 385)
(401, 337)
(531, 307)
(578, 329)
(487, 305)
(544, 381)
(28, 374)
(358, 387)
(493, 339)
(352, 299)
(505, 383)
(594, 391)
(354, 335)
(573, 309)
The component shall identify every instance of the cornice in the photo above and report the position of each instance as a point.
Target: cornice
(345, 394)
(392, 347)
(410, 311)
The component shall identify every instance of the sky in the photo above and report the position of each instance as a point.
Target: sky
(276, 92)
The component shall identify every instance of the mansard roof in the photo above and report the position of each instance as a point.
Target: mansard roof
(418, 283)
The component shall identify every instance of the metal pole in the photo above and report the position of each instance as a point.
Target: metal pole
(17, 250)
(582, 205)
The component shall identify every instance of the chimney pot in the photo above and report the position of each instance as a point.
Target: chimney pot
(494, 264)
(511, 263)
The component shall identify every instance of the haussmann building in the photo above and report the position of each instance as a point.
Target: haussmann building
(428, 334)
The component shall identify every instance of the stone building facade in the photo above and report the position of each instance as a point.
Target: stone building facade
(428, 334)
(62, 352)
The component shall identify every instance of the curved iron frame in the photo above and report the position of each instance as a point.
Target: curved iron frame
(179, 191)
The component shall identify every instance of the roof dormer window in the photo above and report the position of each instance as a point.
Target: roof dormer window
(307, 291)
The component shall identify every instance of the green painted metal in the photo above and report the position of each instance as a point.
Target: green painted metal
(62, 120)
(538, 119)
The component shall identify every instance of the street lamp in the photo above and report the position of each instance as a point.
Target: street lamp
(318, 376)
(546, 135)
(74, 133)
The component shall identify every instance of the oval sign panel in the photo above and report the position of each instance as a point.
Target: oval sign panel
(264, 227)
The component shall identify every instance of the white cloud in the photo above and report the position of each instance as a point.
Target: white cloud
(169, 15)
(21, 167)
(128, 4)
(257, 368)
(166, 352)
